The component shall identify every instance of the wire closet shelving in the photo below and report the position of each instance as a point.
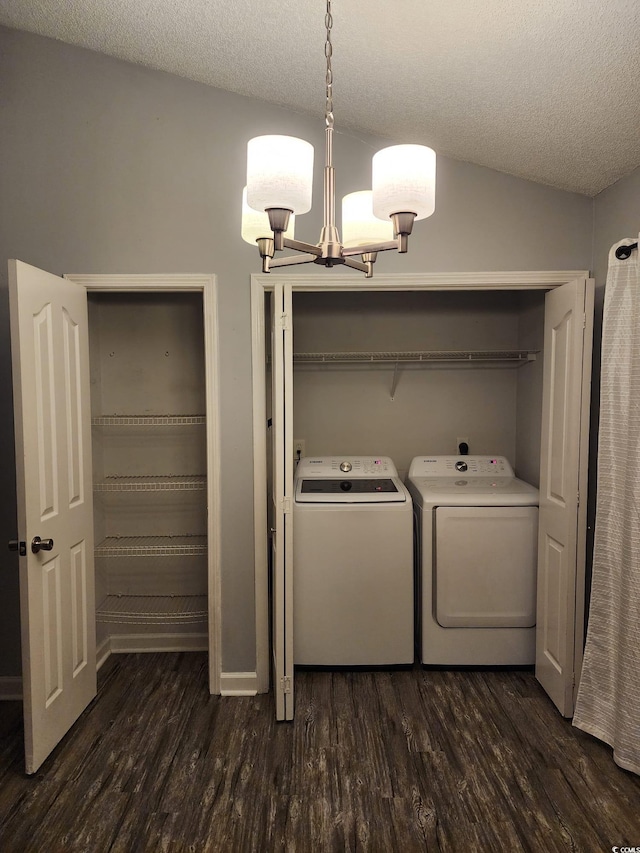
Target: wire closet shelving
(499, 358)
(151, 609)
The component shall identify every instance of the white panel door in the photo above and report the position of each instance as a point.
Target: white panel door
(563, 468)
(282, 538)
(50, 351)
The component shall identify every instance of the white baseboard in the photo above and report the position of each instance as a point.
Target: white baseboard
(10, 688)
(102, 652)
(232, 683)
(132, 643)
(238, 683)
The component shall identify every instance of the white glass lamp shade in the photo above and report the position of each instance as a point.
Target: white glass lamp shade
(279, 173)
(404, 181)
(255, 223)
(359, 226)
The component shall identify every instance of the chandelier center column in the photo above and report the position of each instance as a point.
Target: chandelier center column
(329, 237)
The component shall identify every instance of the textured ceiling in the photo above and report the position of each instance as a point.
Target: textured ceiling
(544, 89)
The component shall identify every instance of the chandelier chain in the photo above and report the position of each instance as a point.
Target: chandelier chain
(328, 52)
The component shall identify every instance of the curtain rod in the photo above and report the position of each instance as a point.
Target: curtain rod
(623, 252)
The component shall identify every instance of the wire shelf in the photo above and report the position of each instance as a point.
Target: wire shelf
(153, 609)
(495, 358)
(151, 483)
(183, 545)
(519, 355)
(148, 420)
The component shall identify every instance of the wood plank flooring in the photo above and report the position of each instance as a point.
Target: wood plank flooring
(375, 761)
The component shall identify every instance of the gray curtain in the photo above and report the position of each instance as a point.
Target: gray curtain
(608, 704)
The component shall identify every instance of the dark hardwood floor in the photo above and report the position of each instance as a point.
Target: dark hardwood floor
(375, 761)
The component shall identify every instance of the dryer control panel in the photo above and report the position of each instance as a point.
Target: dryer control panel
(454, 466)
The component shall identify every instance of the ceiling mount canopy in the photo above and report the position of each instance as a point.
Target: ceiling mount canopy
(279, 184)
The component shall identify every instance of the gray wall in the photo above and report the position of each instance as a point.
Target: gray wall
(347, 409)
(107, 167)
(616, 215)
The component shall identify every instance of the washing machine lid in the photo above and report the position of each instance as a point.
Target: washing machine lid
(348, 480)
(350, 490)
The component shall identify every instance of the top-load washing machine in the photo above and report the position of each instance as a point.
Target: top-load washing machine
(476, 561)
(352, 563)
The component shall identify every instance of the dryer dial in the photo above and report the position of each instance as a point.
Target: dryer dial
(461, 466)
(346, 467)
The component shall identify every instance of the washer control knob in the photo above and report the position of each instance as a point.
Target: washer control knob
(346, 467)
(461, 466)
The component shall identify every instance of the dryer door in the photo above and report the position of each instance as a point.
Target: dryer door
(485, 567)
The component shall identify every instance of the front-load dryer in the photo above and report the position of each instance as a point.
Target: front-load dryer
(476, 559)
(352, 563)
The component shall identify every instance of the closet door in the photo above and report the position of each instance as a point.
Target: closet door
(282, 535)
(563, 489)
(50, 352)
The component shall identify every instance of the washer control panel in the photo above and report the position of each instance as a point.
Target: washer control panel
(453, 466)
(354, 466)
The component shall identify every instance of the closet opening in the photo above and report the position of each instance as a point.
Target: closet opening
(412, 373)
(116, 402)
(148, 415)
(419, 364)
(414, 376)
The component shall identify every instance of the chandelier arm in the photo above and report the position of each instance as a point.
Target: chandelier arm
(347, 251)
(292, 260)
(357, 265)
(299, 246)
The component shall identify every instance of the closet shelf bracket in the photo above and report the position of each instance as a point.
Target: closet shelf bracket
(394, 383)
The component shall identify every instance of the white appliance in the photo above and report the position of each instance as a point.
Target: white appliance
(476, 556)
(352, 563)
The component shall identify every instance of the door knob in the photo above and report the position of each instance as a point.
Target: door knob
(20, 547)
(38, 544)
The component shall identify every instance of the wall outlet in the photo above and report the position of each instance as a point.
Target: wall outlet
(298, 448)
(461, 440)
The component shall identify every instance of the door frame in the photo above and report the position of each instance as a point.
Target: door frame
(332, 281)
(207, 286)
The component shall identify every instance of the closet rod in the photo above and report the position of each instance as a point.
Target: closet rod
(423, 357)
(623, 252)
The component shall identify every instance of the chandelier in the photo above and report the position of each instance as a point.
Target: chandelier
(279, 184)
